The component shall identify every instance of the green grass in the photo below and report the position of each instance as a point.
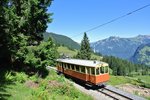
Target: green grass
(61, 89)
(143, 81)
(117, 80)
(144, 78)
(66, 51)
(94, 56)
(72, 53)
(18, 91)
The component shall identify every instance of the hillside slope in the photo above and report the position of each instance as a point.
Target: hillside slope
(71, 53)
(120, 47)
(142, 55)
(62, 40)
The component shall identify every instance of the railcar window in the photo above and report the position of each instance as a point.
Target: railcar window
(82, 69)
(64, 65)
(88, 70)
(106, 69)
(72, 67)
(102, 70)
(97, 71)
(58, 63)
(69, 66)
(77, 68)
(93, 71)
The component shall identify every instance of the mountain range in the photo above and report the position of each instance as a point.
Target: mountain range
(120, 47)
(135, 49)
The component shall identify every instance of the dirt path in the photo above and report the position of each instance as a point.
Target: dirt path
(137, 90)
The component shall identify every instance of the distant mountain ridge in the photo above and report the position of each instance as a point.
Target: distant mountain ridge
(142, 55)
(61, 40)
(120, 47)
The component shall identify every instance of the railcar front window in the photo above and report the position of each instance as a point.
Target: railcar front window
(102, 69)
(106, 69)
(93, 71)
(97, 71)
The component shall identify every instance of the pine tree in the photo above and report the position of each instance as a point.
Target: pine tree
(85, 50)
(21, 25)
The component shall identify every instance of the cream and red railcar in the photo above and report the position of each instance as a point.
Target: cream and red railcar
(93, 72)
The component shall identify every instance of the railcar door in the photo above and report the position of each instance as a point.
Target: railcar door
(88, 73)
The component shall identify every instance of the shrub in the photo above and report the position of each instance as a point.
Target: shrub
(9, 76)
(20, 77)
(40, 94)
(17, 76)
(35, 78)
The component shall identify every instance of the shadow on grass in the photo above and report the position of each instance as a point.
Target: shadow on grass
(4, 84)
(41, 72)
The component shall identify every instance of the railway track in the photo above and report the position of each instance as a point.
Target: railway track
(117, 94)
(113, 95)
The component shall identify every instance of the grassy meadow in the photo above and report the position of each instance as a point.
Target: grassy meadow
(72, 53)
(18, 86)
(143, 81)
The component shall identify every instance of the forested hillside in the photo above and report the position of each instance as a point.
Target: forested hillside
(125, 68)
(142, 55)
(61, 40)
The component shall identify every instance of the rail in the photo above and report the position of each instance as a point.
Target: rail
(118, 94)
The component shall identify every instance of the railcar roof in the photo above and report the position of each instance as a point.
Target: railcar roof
(89, 63)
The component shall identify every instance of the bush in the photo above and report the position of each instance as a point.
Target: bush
(9, 76)
(35, 78)
(40, 94)
(20, 77)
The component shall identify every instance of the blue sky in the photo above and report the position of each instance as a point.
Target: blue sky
(73, 17)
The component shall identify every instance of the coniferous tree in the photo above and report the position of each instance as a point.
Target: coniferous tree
(21, 25)
(85, 50)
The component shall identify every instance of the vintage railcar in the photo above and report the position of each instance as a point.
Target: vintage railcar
(89, 71)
